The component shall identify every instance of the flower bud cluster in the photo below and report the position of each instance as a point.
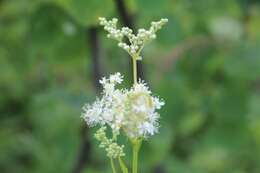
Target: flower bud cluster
(135, 42)
(110, 27)
(112, 148)
(134, 110)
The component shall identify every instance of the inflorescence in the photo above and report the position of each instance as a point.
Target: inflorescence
(135, 42)
(133, 111)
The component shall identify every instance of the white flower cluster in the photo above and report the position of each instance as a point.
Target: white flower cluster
(110, 27)
(136, 42)
(132, 111)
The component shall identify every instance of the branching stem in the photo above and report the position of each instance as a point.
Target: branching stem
(112, 165)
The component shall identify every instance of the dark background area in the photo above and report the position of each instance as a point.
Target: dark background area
(205, 64)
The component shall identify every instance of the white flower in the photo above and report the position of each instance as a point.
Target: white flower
(116, 78)
(94, 113)
(158, 103)
(131, 110)
(147, 128)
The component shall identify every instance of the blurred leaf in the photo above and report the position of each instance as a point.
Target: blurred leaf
(191, 123)
(85, 12)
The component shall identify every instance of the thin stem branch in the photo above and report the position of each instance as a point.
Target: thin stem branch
(112, 165)
(122, 165)
(134, 70)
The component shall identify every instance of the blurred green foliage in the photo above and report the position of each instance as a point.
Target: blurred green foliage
(205, 64)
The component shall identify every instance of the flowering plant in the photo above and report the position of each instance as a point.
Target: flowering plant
(132, 112)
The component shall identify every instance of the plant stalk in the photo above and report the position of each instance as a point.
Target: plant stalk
(122, 165)
(136, 147)
(112, 165)
(134, 70)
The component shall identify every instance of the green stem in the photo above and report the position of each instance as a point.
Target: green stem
(134, 70)
(136, 147)
(122, 165)
(113, 165)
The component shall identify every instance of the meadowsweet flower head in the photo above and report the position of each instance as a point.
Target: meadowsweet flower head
(133, 111)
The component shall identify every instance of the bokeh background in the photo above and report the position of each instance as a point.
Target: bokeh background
(205, 63)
